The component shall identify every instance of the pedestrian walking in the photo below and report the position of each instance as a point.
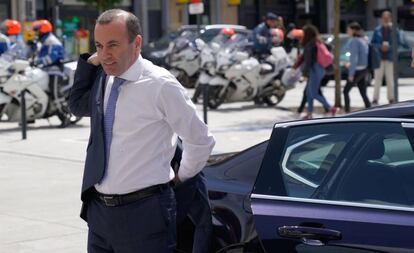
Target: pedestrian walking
(313, 71)
(358, 64)
(382, 41)
(136, 111)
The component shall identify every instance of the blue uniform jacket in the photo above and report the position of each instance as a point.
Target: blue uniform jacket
(51, 52)
(262, 39)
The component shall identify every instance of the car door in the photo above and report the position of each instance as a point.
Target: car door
(337, 185)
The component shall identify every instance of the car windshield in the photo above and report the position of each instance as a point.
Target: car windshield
(209, 34)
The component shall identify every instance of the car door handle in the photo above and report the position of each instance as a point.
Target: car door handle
(310, 235)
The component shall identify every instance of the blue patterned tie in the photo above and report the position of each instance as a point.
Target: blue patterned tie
(110, 116)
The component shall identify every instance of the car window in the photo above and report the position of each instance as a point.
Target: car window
(383, 174)
(308, 158)
(209, 34)
(359, 162)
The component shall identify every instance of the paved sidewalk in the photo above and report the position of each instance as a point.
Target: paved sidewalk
(40, 178)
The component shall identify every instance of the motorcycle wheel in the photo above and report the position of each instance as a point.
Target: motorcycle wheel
(276, 97)
(66, 117)
(214, 98)
(185, 80)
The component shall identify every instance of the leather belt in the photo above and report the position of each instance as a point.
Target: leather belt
(111, 200)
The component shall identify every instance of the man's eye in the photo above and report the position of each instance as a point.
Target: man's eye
(112, 45)
(98, 46)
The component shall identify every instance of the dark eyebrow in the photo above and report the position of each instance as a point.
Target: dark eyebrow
(113, 41)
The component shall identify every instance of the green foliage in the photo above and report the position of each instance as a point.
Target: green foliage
(101, 5)
(349, 5)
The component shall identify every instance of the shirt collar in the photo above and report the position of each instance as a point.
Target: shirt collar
(134, 72)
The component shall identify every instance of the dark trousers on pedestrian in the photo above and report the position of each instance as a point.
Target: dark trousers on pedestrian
(146, 225)
(360, 81)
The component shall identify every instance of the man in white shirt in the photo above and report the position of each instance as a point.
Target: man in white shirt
(137, 109)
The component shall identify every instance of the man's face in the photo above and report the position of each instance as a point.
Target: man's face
(115, 52)
(272, 23)
(385, 19)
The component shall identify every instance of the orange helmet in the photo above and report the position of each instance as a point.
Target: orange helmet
(227, 31)
(297, 33)
(43, 26)
(12, 27)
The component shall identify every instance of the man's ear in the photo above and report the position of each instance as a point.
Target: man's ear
(138, 41)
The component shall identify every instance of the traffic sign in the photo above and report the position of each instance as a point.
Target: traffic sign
(196, 8)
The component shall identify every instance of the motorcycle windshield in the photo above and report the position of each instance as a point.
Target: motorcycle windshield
(218, 41)
(186, 39)
(235, 43)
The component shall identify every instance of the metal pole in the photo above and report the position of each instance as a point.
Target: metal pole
(23, 117)
(337, 13)
(395, 48)
(205, 86)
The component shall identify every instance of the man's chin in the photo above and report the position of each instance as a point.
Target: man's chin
(111, 71)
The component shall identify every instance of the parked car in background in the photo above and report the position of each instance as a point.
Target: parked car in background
(342, 184)
(159, 50)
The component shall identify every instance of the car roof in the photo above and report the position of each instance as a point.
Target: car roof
(215, 26)
(399, 110)
(219, 26)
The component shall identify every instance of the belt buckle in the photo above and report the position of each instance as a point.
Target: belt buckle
(110, 200)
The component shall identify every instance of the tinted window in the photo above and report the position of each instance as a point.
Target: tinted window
(351, 162)
(209, 34)
(308, 158)
(383, 172)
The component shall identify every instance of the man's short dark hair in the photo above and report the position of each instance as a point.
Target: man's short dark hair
(132, 22)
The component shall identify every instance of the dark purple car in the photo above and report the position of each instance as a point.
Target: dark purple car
(342, 184)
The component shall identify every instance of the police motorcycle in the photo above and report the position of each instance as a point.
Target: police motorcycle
(17, 75)
(240, 76)
(183, 59)
(208, 57)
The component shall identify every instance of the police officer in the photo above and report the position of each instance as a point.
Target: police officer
(262, 36)
(4, 43)
(51, 51)
(49, 56)
(17, 48)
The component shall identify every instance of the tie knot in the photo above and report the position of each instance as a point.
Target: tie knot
(118, 81)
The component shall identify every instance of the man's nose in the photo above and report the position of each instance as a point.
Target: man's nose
(105, 52)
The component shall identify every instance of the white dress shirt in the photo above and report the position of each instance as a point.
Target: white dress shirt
(152, 107)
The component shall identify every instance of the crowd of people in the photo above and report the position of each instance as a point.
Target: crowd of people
(365, 56)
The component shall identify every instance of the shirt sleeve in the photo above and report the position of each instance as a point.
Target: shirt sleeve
(180, 113)
(353, 59)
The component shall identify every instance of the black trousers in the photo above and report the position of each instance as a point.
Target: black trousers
(360, 81)
(147, 225)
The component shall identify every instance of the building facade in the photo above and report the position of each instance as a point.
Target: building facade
(158, 17)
